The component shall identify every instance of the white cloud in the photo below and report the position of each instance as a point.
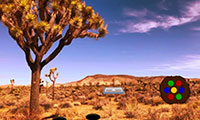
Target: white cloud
(142, 27)
(187, 63)
(191, 13)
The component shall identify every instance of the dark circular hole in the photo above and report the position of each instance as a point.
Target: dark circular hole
(59, 118)
(92, 116)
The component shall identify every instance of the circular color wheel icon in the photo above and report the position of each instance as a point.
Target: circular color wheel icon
(174, 89)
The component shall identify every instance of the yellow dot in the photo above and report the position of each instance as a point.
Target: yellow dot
(173, 90)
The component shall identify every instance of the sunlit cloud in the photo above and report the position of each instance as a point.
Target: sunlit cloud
(187, 63)
(190, 13)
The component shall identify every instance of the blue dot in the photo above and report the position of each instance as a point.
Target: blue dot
(181, 90)
(167, 90)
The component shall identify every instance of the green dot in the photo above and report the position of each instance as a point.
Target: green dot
(178, 96)
(171, 83)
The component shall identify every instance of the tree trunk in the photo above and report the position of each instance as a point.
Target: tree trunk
(46, 88)
(53, 90)
(34, 97)
(11, 87)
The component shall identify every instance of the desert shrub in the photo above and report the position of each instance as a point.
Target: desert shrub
(83, 102)
(61, 86)
(190, 112)
(148, 100)
(140, 98)
(2, 105)
(129, 114)
(13, 110)
(45, 102)
(65, 105)
(121, 105)
(90, 97)
(23, 102)
(15, 91)
(1, 89)
(21, 113)
(77, 88)
(157, 100)
(76, 103)
(117, 99)
(158, 114)
(98, 106)
(130, 111)
(71, 113)
(24, 111)
(9, 102)
(46, 106)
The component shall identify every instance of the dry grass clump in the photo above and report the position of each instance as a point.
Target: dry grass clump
(45, 102)
(189, 112)
(121, 105)
(130, 111)
(98, 106)
(71, 114)
(8, 100)
(158, 114)
(157, 100)
(20, 114)
(99, 103)
(2, 105)
(111, 113)
(66, 105)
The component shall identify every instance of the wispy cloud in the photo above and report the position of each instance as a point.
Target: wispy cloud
(191, 13)
(187, 63)
(196, 28)
(136, 13)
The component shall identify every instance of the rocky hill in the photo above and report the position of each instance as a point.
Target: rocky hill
(119, 79)
(116, 79)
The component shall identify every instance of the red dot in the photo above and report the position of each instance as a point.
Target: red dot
(170, 96)
(178, 83)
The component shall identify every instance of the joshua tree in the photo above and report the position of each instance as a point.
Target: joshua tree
(12, 82)
(97, 84)
(50, 75)
(36, 25)
(41, 85)
(47, 87)
(113, 82)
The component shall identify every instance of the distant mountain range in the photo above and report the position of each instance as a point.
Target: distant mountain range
(118, 79)
(114, 79)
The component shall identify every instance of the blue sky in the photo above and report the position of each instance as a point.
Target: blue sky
(146, 38)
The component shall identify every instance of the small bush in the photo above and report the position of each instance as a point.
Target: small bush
(121, 105)
(129, 114)
(46, 106)
(130, 111)
(15, 91)
(185, 113)
(65, 105)
(98, 106)
(158, 114)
